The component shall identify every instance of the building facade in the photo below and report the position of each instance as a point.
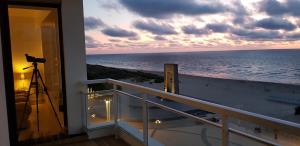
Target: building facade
(59, 26)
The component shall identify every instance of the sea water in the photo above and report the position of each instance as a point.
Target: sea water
(279, 66)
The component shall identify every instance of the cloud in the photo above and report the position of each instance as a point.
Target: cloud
(192, 29)
(256, 34)
(134, 38)
(92, 23)
(274, 7)
(167, 8)
(275, 24)
(155, 28)
(118, 32)
(220, 28)
(115, 40)
(240, 12)
(109, 4)
(91, 42)
(294, 36)
(159, 38)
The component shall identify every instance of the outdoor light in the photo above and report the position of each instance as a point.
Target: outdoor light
(157, 122)
(90, 94)
(107, 106)
(93, 115)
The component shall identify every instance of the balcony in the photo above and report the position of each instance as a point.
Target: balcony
(145, 116)
(83, 141)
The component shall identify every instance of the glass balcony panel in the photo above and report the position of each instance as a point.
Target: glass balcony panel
(99, 108)
(262, 132)
(172, 129)
(238, 140)
(131, 113)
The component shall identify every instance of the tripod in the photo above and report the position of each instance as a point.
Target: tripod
(36, 75)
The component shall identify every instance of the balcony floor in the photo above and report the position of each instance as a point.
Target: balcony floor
(104, 141)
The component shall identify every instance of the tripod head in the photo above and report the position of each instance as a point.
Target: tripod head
(34, 61)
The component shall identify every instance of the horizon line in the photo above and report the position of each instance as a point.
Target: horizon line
(279, 49)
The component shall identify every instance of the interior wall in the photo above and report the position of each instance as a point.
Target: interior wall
(4, 135)
(75, 61)
(30, 42)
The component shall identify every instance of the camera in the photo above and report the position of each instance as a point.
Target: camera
(34, 59)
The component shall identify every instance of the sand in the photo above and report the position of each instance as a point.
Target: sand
(270, 99)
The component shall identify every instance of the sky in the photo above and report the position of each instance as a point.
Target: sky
(150, 26)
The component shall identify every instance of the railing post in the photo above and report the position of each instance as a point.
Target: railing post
(116, 111)
(145, 120)
(84, 111)
(85, 94)
(85, 106)
(225, 131)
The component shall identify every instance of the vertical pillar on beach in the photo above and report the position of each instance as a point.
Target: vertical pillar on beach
(171, 83)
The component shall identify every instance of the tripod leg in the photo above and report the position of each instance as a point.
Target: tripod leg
(27, 99)
(37, 98)
(46, 90)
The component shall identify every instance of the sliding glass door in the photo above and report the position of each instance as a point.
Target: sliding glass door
(37, 72)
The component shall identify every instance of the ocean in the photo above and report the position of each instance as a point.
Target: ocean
(279, 66)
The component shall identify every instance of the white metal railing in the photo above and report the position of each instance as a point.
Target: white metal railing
(224, 111)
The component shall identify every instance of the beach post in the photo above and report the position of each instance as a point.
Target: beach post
(171, 82)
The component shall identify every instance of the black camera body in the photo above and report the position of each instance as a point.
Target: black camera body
(34, 59)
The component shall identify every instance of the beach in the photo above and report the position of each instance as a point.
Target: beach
(270, 99)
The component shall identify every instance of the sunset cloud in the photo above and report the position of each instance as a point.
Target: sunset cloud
(183, 25)
(91, 42)
(155, 28)
(159, 38)
(221, 28)
(275, 24)
(257, 34)
(118, 32)
(92, 23)
(167, 8)
(274, 7)
(192, 29)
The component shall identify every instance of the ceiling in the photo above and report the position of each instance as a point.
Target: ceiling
(38, 15)
(40, 1)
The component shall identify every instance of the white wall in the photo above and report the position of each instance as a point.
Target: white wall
(75, 69)
(75, 61)
(4, 135)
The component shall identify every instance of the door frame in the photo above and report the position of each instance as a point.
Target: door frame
(8, 66)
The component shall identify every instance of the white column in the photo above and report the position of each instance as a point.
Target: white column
(4, 135)
(75, 61)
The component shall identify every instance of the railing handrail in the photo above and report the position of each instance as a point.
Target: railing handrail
(273, 123)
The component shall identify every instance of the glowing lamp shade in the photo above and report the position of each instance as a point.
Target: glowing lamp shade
(22, 76)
